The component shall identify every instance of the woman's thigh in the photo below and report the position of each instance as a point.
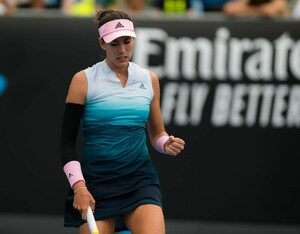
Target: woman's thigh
(106, 226)
(146, 219)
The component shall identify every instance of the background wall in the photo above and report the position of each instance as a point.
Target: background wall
(229, 88)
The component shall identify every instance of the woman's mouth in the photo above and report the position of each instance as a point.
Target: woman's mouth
(122, 58)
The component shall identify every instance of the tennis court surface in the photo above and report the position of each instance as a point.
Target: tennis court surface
(47, 224)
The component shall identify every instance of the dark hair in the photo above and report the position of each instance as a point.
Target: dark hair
(103, 17)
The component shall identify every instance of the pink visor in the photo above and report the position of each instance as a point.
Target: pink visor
(116, 28)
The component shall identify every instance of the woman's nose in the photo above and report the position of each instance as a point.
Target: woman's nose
(122, 47)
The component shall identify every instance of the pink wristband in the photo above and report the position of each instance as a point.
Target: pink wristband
(73, 172)
(160, 144)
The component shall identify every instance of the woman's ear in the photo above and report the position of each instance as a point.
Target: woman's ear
(102, 43)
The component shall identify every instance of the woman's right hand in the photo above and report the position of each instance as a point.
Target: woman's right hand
(82, 199)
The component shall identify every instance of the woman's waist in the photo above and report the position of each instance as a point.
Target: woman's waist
(110, 167)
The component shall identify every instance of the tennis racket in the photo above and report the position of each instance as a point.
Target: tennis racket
(91, 221)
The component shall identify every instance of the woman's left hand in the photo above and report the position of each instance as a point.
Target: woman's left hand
(174, 146)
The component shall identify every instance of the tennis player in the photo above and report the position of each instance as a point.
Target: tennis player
(114, 101)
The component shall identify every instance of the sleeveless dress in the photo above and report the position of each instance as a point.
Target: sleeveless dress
(116, 164)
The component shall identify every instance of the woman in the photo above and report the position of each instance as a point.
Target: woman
(114, 100)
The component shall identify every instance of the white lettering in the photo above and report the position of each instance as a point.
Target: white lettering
(183, 103)
(237, 48)
(293, 113)
(221, 106)
(220, 58)
(263, 105)
(222, 36)
(238, 105)
(146, 46)
(295, 60)
(282, 46)
(259, 101)
(278, 119)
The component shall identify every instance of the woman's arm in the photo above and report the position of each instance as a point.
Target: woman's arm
(74, 109)
(155, 123)
(78, 89)
(158, 136)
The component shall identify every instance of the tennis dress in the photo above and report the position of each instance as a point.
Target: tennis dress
(115, 163)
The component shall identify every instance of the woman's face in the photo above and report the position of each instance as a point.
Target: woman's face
(119, 51)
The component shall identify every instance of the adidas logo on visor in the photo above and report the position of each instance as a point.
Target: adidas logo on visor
(119, 25)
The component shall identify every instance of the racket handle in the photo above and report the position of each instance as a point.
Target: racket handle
(91, 221)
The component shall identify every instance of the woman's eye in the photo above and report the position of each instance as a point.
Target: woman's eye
(127, 41)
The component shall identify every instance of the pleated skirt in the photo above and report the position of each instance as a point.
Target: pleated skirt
(114, 206)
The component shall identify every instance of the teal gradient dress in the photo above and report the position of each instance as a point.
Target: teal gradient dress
(116, 164)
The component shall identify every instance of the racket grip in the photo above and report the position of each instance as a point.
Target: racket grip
(91, 221)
